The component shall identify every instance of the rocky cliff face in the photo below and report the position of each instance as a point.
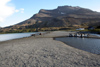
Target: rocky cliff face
(63, 16)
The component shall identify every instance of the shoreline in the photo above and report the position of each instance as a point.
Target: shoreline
(28, 35)
(83, 48)
(43, 51)
(37, 35)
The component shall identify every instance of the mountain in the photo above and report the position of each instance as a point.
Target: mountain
(62, 16)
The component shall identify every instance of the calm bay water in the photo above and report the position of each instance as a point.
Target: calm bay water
(5, 37)
(86, 44)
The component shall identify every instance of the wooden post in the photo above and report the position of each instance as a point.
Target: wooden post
(75, 35)
(81, 36)
(70, 35)
(87, 35)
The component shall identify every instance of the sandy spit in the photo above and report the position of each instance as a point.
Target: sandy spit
(43, 51)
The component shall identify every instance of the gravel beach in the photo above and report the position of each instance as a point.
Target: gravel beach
(44, 51)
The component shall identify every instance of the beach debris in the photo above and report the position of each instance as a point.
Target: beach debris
(70, 35)
(78, 35)
(40, 34)
(75, 35)
(32, 34)
(88, 35)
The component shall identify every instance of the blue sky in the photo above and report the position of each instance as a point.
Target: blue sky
(15, 11)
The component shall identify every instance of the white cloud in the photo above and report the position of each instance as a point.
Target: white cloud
(5, 10)
(16, 10)
(1, 19)
(20, 10)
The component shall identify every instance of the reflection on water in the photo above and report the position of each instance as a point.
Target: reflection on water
(4, 37)
(86, 44)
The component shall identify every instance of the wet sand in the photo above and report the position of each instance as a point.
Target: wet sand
(44, 51)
